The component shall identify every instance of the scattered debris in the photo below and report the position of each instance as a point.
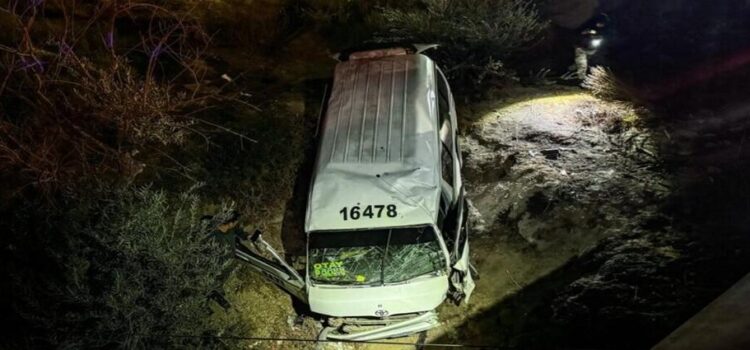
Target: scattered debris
(551, 154)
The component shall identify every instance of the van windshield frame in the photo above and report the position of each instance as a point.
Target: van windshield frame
(374, 257)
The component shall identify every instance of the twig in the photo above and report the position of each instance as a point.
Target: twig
(252, 106)
(224, 129)
(513, 279)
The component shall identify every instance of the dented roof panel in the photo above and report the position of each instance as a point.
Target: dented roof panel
(379, 145)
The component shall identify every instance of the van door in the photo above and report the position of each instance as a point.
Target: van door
(277, 272)
(449, 124)
(461, 278)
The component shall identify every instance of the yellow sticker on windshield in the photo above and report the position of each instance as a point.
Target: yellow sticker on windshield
(329, 269)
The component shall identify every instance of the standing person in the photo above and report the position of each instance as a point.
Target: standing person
(590, 42)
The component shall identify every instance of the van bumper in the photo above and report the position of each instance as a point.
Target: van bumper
(420, 295)
(365, 329)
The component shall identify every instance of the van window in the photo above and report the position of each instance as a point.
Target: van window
(373, 257)
(444, 112)
(446, 131)
(446, 161)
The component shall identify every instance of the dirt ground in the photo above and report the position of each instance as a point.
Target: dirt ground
(579, 229)
(552, 173)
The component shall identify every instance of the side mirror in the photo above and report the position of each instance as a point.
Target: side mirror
(256, 235)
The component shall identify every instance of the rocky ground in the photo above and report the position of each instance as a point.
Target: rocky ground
(570, 236)
(597, 224)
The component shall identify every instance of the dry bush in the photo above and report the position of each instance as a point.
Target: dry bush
(604, 84)
(80, 97)
(475, 35)
(324, 13)
(119, 271)
(250, 24)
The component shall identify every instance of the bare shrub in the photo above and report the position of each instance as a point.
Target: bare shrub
(244, 23)
(121, 271)
(326, 12)
(604, 84)
(475, 35)
(75, 102)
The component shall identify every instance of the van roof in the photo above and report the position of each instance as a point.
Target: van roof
(379, 146)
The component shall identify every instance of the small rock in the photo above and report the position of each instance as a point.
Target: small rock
(551, 154)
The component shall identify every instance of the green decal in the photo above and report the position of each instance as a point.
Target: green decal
(329, 269)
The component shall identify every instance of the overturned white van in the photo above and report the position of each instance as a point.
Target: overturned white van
(387, 235)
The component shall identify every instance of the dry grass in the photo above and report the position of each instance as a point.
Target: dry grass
(80, 99)
(602, 83)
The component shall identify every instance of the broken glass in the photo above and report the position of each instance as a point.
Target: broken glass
(372, 257)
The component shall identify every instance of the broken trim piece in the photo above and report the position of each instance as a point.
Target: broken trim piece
(420, 323)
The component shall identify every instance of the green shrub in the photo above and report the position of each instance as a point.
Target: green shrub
(475, 35)
(119, 271)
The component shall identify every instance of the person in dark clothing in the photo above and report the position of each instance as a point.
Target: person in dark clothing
(225, 229)
(590, 42)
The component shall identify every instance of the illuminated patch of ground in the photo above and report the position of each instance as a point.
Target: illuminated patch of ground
(550, 174)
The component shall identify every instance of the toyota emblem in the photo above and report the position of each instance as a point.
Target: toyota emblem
(381, 313)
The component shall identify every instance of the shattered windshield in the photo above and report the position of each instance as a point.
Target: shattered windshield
(374, 256)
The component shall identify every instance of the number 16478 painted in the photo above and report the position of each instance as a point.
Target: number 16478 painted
(371, 211)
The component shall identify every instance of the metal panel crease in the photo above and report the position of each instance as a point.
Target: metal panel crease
(379, 145)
